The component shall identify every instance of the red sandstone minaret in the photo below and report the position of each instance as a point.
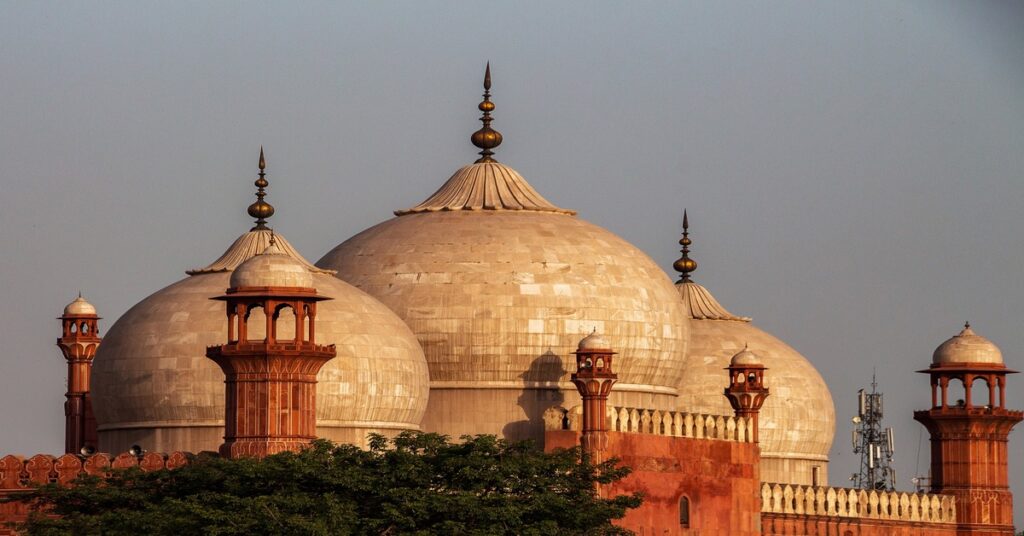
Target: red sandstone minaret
(969, 435)
(270, 369)
(594, 379)
(270, 385)
(746, 391)
(78, 342)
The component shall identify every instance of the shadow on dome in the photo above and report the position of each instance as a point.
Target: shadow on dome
(540, 392)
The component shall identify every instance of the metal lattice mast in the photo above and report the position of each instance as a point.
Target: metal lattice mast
(873, 443)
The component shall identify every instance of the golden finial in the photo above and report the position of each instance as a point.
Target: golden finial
(261, 210)
(685, 264)
(486, 138)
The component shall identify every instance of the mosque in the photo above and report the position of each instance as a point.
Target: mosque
(464, 314)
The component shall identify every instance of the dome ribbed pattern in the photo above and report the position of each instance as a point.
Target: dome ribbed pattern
(248, 246)
(704, 306)
(485, 186)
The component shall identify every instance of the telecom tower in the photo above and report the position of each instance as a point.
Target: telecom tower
(874, 444)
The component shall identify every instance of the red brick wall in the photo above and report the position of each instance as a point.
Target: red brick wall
(804, 525)
(720, 478)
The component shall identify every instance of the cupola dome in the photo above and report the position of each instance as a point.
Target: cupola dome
(594, 341)
(744, 358)
(272, 268)
(967, 347)
(79, 307)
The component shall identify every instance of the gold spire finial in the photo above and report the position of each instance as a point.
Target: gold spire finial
(685, 265)
(486, 138)
(261, 210)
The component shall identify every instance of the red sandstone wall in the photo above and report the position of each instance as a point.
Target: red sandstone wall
(719, 477)
(18, 474)
(804, 525)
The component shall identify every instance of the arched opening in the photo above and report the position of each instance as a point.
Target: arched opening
(740, 378)
(74, 327)
(308, 323)
(684, 512)
(956, 396)
(233, 327)
(980, 392)
(284, 323)
(752, 378)
(255, 324)
(85, 328)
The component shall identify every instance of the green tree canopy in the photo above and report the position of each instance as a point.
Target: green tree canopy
(414, 484)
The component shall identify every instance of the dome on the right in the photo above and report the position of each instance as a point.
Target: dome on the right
(967, 347)
(797, 420)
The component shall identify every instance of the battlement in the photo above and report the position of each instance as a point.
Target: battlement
(656, 422)
(19, 473)
(857, 503)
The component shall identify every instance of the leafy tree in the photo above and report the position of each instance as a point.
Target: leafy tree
(414, 484)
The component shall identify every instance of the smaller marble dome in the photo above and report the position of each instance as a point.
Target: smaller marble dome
(967, 347)
(744, 358)
(79, 307)
(272, 268)
(594, 341)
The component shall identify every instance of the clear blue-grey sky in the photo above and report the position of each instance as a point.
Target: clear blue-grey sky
(853, 171)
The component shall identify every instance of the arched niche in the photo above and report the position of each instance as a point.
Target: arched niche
(256, 324)
(284, 323)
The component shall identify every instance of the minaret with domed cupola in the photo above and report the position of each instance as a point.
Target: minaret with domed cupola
(969, 437)
(746, 391)
(79, 340)
(594, 378)
(270, 369)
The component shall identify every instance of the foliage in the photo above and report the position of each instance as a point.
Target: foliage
(414, 484)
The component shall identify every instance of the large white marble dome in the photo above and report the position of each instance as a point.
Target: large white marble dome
(153, 385)
(499, 285)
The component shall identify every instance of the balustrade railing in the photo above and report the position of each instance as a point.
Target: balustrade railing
(657, 422)
(847, 502)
